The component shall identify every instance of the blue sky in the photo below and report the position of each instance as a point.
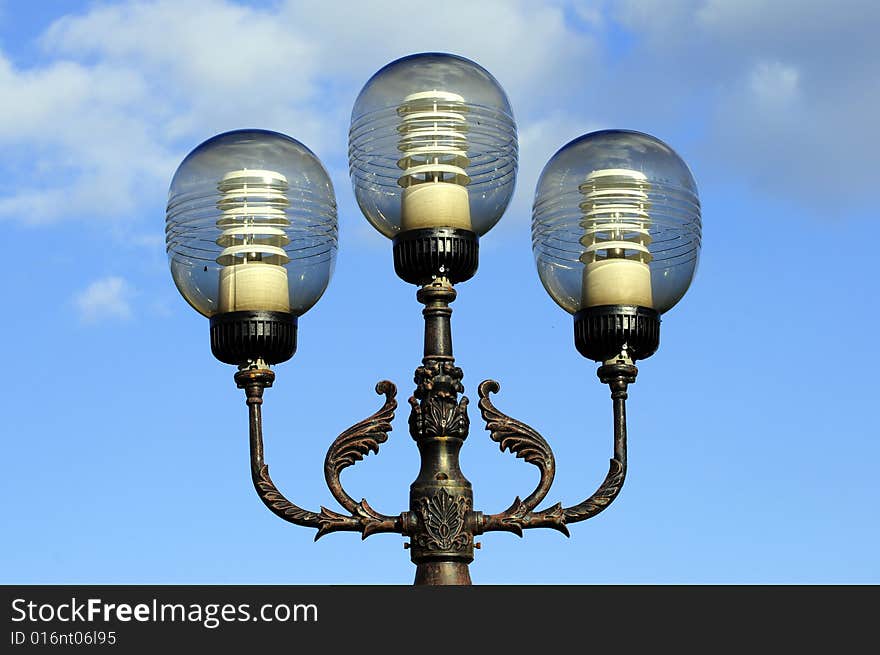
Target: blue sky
(753, 444)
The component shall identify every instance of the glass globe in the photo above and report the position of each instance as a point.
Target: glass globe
(616, 221)
(432, 144)
(251, 225)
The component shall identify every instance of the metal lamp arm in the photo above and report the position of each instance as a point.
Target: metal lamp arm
(254, 382)
(618, 377)
(525, 442)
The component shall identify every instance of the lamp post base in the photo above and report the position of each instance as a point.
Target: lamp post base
(442, 573)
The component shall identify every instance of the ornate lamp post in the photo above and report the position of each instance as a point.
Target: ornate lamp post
(251, 234)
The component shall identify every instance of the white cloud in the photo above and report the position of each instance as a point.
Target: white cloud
(124, 90)
(206, 63)
(785, 93)
(128, 88)
(657, 20)
(774, 85)
(97, 132)
(525, 45)
(106, 298)
(78, 141)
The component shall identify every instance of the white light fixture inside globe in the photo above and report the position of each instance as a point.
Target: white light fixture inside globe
(434, 145)
(252, 224)
(616, 239)
(616, 222)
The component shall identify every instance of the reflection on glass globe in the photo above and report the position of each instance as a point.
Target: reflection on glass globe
(616, 221)
(251, 225)
(432, 144)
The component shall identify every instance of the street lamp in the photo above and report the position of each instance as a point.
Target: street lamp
(251, 234)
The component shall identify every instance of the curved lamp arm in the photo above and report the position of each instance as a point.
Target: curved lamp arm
(618, 377)
(254, 382)
(525, 442)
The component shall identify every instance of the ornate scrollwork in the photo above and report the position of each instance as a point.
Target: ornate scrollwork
(436, 410)
(443, 517)
(368, 520)
(528, 444)
(326, 521)
(518, 517)
(520, 439)
(438, 377)
(605, 494)
(275, 501)
(441, 522)
(351, 446)
(524, 442)
(357, 442)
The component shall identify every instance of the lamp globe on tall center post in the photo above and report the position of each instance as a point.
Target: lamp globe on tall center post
(433, 160)
(251, 237)
(616, 237)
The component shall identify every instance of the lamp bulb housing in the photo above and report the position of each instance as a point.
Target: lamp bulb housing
(616, 232)
(251, 235)
(432, 145)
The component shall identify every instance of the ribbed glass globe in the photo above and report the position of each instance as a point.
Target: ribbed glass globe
(432, 144)
(251, 225)
(616, 221)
